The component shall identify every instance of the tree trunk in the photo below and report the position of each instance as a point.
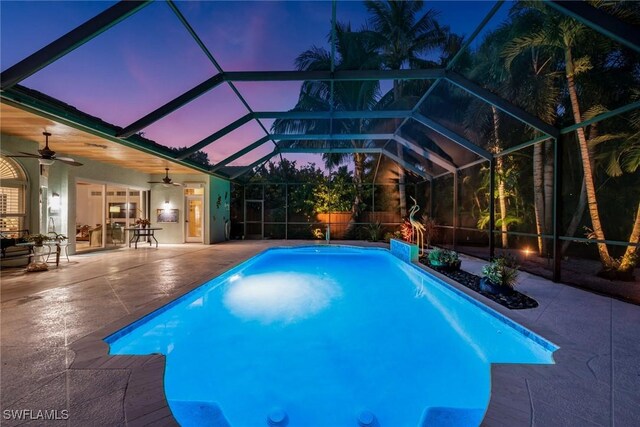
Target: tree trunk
(402, 192)
(582, 200)
(548, 191)
(358, 173)
(585, 154)
(502, 198)
(538, 194)
(502, 202)
(577, 217)
(629, 259)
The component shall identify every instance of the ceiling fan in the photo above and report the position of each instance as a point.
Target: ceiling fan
(47, 156)
(166, 181)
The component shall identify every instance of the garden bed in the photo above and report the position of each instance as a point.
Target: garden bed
(513, 301)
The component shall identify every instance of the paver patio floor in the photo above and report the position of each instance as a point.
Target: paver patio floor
(52, 357)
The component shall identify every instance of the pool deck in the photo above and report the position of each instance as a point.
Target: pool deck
(52, 356)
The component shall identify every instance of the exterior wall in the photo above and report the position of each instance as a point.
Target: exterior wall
(62, 180)
(219, 208)
(175, 233)
(12, 145)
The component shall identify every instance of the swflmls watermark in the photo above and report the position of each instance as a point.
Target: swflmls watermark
(31, 414)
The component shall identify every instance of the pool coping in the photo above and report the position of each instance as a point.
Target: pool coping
(145, 401)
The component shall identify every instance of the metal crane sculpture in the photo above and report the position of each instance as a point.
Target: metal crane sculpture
(417, 226)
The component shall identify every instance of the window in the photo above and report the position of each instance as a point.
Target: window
(12, 195)
(193, 191)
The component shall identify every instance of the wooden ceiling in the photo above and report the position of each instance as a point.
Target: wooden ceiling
(71, 142)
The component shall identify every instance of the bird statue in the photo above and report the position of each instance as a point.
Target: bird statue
(417, 226)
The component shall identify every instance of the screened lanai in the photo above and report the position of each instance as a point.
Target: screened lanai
(325, 126)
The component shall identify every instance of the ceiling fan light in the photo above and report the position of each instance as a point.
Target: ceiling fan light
(46, 162)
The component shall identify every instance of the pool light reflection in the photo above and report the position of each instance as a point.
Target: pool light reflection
(283, 297)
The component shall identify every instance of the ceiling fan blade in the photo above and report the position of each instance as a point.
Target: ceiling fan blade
(68, 161)
(25, 156)
(177, 184)
(28, 154)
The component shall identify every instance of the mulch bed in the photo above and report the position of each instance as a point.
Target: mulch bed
(514, 301)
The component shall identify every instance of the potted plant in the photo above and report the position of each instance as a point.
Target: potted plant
(143, 222)
(59, 238)
(38, 239)
(445, 259)
(500, 276)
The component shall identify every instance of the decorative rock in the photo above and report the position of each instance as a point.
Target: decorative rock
(513, 300)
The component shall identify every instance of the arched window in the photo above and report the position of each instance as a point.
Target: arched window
(13, 183)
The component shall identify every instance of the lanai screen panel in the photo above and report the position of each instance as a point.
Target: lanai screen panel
(617, 185)
(200, 118)
(435, 142)
(476, 120)
(524, 62)
(129, 70)
(52, 19)
(256, 35)
(233, 142)
(270, 96)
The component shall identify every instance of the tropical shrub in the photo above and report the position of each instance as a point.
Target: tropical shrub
(395, 235)
(430, 229)
(374, 231)
(444, 257)
(407, 230)
(502, 271)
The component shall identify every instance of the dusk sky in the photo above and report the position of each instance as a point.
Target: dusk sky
(149, 58)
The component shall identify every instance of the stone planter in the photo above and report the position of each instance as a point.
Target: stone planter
(491, 288)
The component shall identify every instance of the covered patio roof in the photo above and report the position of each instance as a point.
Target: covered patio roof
(83, 143)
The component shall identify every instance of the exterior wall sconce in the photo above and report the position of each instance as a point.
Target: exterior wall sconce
(55, 202)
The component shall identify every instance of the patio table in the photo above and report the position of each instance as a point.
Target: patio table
(138, 232)
(39, 252)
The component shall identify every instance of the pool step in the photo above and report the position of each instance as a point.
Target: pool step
(451, 417)
(199, 413)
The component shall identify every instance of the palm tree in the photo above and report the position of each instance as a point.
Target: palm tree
(481, 115)
(565, 36)
(621, 153)
(355, 50)
(532, 85)
(406, 33)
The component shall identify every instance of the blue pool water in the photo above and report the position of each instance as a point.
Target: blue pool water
(325, 335)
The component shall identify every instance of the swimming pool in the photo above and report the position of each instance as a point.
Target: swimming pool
(328, 336)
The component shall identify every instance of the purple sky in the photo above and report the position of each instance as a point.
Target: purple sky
(149, 58)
